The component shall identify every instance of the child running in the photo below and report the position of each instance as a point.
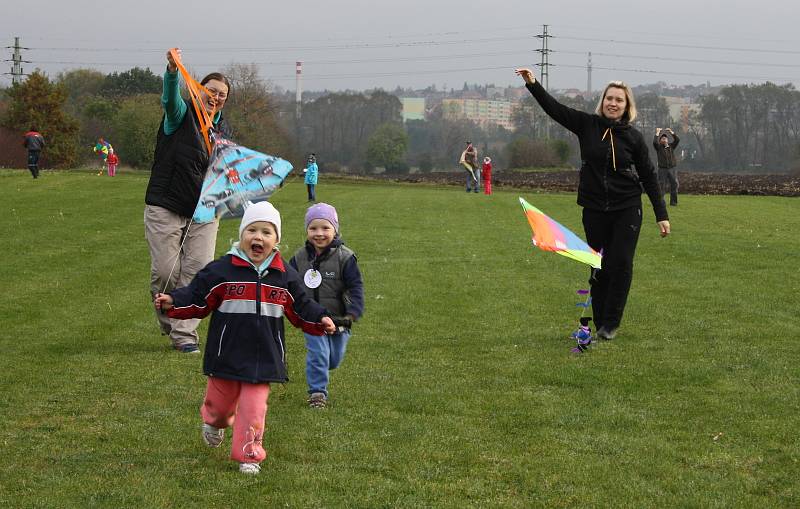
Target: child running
(247, 292)
(330, 273)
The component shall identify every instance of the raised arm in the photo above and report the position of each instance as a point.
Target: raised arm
(570, 118)
(171, 100)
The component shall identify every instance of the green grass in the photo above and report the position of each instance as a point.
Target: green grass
(458, 389)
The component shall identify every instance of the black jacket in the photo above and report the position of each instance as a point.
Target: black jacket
(246, 339)
(34, 141)
(179, 165)
(666, 154)
(615, 163)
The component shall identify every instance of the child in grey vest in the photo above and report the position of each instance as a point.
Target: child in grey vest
(331, 275)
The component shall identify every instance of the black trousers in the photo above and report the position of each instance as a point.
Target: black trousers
(33, 162)
(613, 234)
(668, 179)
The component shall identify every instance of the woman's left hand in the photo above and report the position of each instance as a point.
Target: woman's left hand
(664, 227)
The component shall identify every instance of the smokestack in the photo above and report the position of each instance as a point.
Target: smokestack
(299, 87)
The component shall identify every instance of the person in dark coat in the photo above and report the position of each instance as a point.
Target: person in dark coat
(665, 151)
(615, 167)
(34, 143)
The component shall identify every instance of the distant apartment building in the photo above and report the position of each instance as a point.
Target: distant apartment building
(679, 109)
(481, 111)
(413, 108)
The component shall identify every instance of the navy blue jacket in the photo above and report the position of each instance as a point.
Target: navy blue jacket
(615, 162)
(246, 339)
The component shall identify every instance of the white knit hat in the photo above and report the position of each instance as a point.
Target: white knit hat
(261, 211)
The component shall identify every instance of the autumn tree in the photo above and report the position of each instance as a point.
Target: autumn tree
(252, 112)
(40, 103)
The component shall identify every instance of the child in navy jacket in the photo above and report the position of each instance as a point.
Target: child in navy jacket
(247, 292)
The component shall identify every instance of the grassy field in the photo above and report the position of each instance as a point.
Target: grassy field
(458, 389)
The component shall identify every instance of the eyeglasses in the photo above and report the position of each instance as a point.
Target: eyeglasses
(213, 92)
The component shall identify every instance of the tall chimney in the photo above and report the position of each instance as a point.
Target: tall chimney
(298, 88)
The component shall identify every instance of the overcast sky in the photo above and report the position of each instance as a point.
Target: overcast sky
(349, 44)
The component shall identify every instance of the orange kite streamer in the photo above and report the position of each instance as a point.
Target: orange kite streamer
(194, 93)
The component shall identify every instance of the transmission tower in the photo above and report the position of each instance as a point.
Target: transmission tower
(16, 62)
(545, 51)
(589, 77)
(544, 75)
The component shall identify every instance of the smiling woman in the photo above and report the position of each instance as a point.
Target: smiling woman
(615, 168)
(178, 247)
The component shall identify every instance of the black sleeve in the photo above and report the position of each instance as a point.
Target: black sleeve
(572, 119)
(648, 178)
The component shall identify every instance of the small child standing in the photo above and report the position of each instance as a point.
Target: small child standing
(247, 292)
(112, 161)
(487, 175)
(312, 173)
(331, 274)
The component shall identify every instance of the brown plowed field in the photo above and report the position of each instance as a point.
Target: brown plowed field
(690, 182)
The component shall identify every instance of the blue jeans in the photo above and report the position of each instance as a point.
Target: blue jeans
(312, 194)
(323, 353)
(472, 183)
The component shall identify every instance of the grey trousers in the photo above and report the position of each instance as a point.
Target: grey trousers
(164, 231)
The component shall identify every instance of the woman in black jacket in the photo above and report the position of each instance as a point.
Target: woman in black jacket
(615, 166)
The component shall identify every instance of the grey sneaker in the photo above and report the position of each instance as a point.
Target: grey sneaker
(212, 436)
(606, 334)
(317, 400)
(249, 468)
(188, 348)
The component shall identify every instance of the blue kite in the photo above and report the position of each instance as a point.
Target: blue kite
(236, 177)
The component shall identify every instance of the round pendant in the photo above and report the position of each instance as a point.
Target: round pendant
(312, 278)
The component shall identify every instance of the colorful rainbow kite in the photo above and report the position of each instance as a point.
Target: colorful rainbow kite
(549, 235)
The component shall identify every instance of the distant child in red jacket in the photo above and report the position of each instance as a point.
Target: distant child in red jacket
(487, 175)
(112, 161)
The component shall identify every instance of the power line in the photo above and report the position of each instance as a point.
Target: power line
(692, 60)
(687, 46)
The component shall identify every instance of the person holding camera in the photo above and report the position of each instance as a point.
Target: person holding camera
(665, 150)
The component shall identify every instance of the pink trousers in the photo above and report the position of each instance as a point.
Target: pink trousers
(243, 406)
(112, 169)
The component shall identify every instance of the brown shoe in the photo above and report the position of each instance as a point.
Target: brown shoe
(317, 400)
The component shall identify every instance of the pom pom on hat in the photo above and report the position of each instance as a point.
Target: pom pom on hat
(261, 211)
(323, 211)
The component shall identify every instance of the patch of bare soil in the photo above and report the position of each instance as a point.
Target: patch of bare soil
(690, 182)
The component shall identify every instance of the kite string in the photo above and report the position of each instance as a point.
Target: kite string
(177, 255)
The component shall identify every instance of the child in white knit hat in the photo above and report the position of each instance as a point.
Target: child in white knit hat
(248, 291)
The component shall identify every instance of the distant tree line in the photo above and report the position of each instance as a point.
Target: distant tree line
(754, 128)
(81, 105)
(749, 128)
